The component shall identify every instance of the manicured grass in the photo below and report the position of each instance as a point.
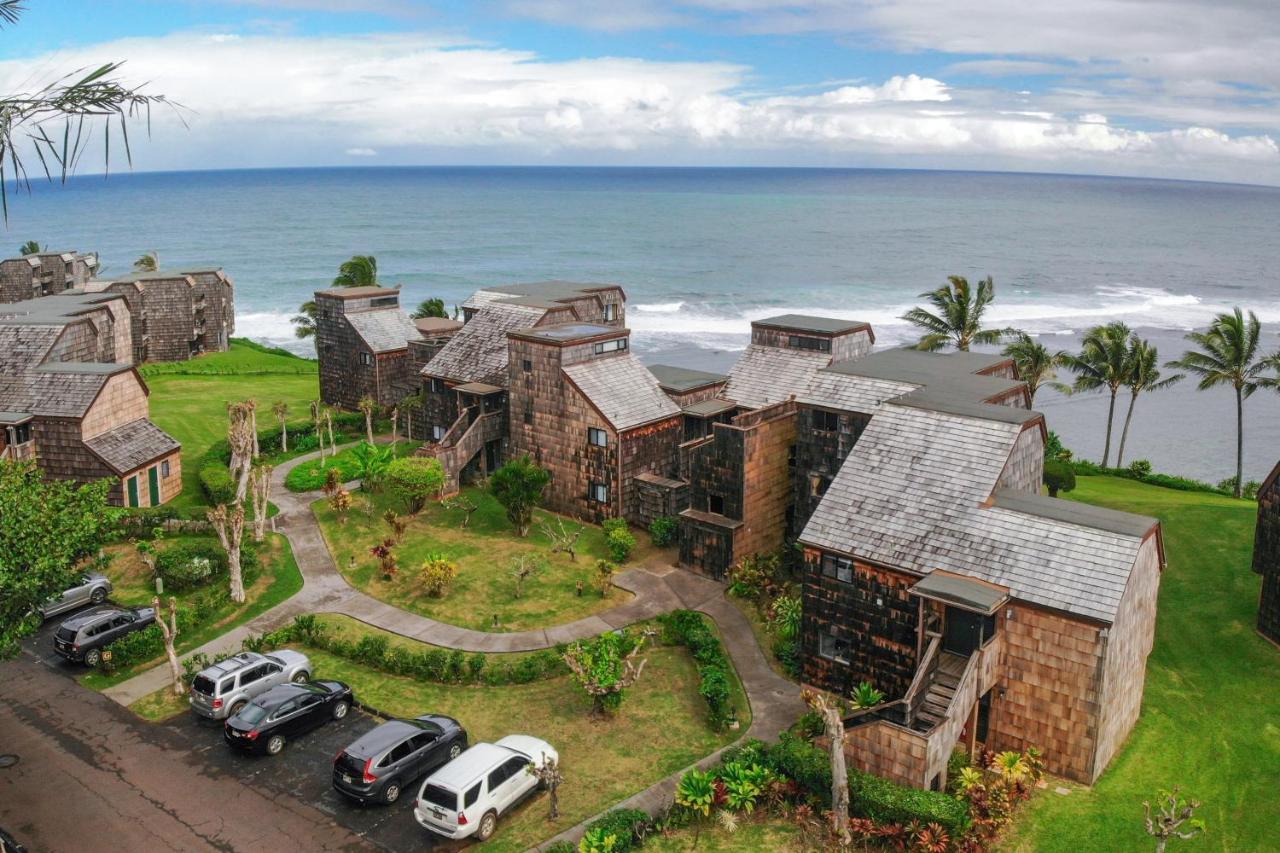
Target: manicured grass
(278, 580)
(483, 551)
(310, 475)
(660, 728)
(191, 405)
(161, 705)
(763, 834)
(1210, 719)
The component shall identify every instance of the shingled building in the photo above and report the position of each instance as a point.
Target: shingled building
(363, 339)
(175, 315)
(1266, 556)
(70, 399)
(44, 274)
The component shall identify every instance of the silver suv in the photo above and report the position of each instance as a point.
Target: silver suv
(91, 588)
(219, 691)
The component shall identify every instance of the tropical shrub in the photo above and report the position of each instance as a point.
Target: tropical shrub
(663, 530)
(620, 542)
(518, 486)
(413, 480)
(886, 801)
(1140, 468)
(437, 574)
(599, 841)
(187, 565)
(693, 630)
(785, 615)
(627, 826)
(1058, 477)
(696, 792)
(605, 667)
(745, 785)
(755, 576)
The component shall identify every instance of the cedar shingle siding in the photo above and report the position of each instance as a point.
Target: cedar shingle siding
(362, 340)
(176, 315)
(1266, 556)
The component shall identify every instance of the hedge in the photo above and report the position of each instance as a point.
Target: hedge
(1167, 481)
(627, 826)
(693, 630)
(885, 801)
(187, 565)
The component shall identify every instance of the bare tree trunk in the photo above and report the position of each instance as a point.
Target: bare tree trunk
(284, 436)
(1111, 413)
(240, 436)
(1124, 433)
(252, 406)
(395, 425)
(229, 525)
(259, 491)
(833, 724)
(408, 423)
(333, 445)
(170, 632)
(1239, 443)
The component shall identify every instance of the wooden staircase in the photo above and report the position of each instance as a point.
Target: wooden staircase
(464, 440)
(939, 691)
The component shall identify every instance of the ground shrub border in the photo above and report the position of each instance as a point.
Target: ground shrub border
(693, 630)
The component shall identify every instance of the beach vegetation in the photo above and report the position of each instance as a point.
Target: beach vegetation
(1036, 365)
(430, 308)
(1102, 364)
(1144, 377)
(956, 318)
(31, 247)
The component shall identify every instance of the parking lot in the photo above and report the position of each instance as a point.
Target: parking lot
(302, 772)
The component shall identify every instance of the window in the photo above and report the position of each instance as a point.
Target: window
(252, 675)
(528, 412)
(805, 342)
(384, 302)
(366, 359)
(285, 710)
(990, 624)
(400, 753)
(715, 503)
(437, 432)
(164, 468)
(833, 647)
(470, 797)
(615, 345)
(528, 365)
(598, 492)
(826, 421)
(610, 311)
(598, 437)
(418, 742)
(437, 386)
(840, 568)
(497, 777)
(22, 433)
(818, 485)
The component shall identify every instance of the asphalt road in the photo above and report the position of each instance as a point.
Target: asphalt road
(88, 766)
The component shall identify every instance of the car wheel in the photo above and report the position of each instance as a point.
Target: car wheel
(340, 710)
(235, 709)
(300, 677)
(391, 793)
(488, 824)
(92, 657)
(99, 595)
(275, 744)
(455, 750)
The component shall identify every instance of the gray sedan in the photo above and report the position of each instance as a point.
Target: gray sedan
(92, 589)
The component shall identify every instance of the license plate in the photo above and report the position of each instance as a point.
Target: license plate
(437, 815)
(346, 778)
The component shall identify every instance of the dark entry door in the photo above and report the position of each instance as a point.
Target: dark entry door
(133, 490)
(153, 484)
(963, 632)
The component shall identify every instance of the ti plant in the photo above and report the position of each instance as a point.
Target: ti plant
(1172, 817)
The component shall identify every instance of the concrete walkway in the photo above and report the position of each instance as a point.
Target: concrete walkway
(775, 702)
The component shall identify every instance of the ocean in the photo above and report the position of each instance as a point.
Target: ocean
(702, 252)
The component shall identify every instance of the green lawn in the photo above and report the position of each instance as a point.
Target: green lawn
(278, 580)
(189, 399)
(483, 551)
(1210, 719)
(310, 475)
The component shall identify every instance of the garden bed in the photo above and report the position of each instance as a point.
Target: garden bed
(310, 476)
(484, 551)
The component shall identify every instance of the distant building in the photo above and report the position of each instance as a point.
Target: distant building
(1266, 556)
(176, 315)
(44, 274)
(362, 341)
(70, 399)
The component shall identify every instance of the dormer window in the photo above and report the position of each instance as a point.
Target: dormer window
(615, 345)
(384, 302)
(806, 342)
(610, 312)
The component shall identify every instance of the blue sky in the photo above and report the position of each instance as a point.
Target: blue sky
(1172, 88)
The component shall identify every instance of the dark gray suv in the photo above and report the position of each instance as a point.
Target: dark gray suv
(83, 637)
(378, 766)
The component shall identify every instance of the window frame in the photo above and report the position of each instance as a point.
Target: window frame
(366, 359)
(164, 468)
(612, 345)
(837, 568)
(594, 433)
(598, 492)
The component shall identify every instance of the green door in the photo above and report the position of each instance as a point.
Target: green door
(133, 491)
(153, 484)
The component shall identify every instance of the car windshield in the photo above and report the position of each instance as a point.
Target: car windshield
(203, 685)
(442, 797)
(252, 714)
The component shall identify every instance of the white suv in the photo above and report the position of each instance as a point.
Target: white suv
(467, 795)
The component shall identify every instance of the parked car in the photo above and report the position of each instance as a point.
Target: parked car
(9, 844)
(83, 637)
(221, 690)
(378, 766)
(91, 589)
(468, 795)
(286, 711)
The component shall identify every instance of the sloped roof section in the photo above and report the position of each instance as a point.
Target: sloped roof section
(765, 375)
(478, 351)
(681, 379)
(384, 330)
(915, 493)
(130, 446)
(622, 389)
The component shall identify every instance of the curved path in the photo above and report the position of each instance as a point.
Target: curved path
(775, 702)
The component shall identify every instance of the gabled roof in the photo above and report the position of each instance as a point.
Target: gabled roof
(765, 375)
(916, 494)
(55, 389)
(130, 446)
(478, 351)
(384, 329)
(620, 388)
(58, 309)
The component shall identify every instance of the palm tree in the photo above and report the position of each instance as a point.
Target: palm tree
(1144, 375)
(1227, 354)
(148, 262)
(304, 322)
(958, 320)
(1103, 362)
(1036, 365)
(429, 308)
(31, 247)
(360, 271)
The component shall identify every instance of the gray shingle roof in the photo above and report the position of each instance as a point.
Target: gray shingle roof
(765, 375)
(910, 495)
(810, 323)
(478, 351)
(53, 310)
(130, 446)
(682, 379)
(384, 330)
(622, 389)
(58, 389)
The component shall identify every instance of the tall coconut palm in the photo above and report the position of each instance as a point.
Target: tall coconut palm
(1227, 354)
(360, 271)
(147, 262)
(957, 316)
(304, 322)
(1103, 362)
(1036, 365)
(31, 247)
(429, 308)
(1144, 376)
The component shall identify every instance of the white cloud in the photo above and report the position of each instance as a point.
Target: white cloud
(262, 100)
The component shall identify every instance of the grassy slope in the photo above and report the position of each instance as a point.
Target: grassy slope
(1210, 719)
(189, 399)
(483, 552)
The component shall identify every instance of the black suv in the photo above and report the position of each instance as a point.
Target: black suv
(83, 637)
(379, 765)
